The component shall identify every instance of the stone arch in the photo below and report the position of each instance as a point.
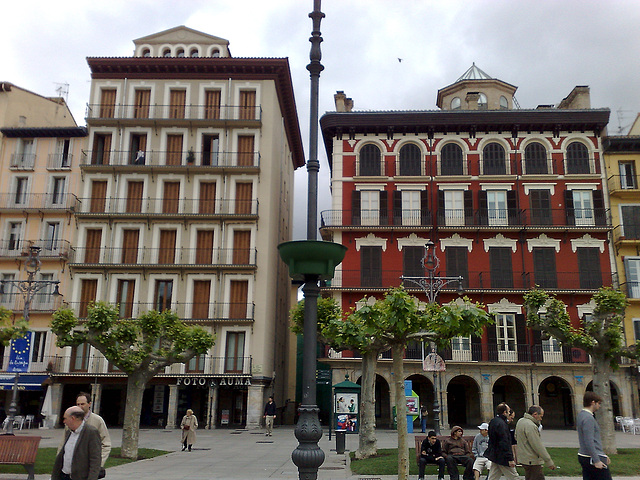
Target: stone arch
(556, 398)
(510, 389)
(615, 397)
(383, 401)
(423, 386)
(463, 402)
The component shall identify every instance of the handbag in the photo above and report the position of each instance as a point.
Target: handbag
(102, 473)
(186, 427)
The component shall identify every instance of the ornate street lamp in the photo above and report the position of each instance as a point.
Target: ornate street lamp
(431, 285)
(28, 288)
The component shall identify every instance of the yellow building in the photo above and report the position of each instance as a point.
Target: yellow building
(40, 145)
(622, 158)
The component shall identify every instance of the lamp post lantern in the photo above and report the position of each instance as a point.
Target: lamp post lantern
(28, 288)
(431, 285)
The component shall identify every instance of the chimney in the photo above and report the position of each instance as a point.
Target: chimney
(343, 104)
(472, 100)
(578, 99)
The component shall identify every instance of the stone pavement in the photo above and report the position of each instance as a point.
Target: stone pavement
(248, 454)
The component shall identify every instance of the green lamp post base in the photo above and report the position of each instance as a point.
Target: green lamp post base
(311, 257)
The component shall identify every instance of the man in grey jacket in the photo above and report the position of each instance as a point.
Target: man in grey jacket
(593, 460)
(531, 452)
(80, 456)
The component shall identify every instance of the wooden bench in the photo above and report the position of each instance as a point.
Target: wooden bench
(420, 438)
(19, 451)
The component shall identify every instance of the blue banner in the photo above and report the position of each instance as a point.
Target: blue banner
(20, 354)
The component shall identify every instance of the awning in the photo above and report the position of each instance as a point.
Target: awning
(25, 382)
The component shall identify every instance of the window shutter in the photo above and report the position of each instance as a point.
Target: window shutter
(492, 338)
(483, 211)
(141, 104)
(536, 352)
(108, 103)
(98, 196)
(177, 99)
(201, 298)
(441, 208)
(384, 207)
(248, 105)
(598, 208)
(424, 207)
(500, 264)
(134, 197)
(244, 192)
(174, 149)
(512, 207)
(589, 267)
(457, 263)
(130, 240)
(544, 267)
(204, 247)
(167, 252)
(355, 207)
(540, 204)
(238, 299)
(88, 291)
(568, 205)
(241, 247)
(126, 291)
(371, 266)
(212, 104)
(468, 207)
(245, 150)
(207, 200)
(397, 207)
(170, 197)
(521, 339)
(412, 261)
(92, 246)
(476, 348)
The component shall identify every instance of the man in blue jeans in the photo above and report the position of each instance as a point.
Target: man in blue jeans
(593, 460)
(431, 452)
(423, 417)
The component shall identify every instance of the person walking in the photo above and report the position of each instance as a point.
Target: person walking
(479, 447)
(423, 417)
(593, 460)
(81, 454)
(499, 450)
(188, 425)
(83, 400)
(269, 416)
(532, 454)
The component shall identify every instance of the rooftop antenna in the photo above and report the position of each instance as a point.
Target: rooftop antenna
(62, 89)
(622, 116)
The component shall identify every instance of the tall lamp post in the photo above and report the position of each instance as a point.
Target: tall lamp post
(28, 288)
(431, 285)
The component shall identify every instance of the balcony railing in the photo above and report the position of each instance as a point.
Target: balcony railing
(483, 280)
(38, 201)
(22, 161)
(60, 161)
(169, 159)
(97, 364)
(515, 353)
(168, 207)
(173, 112)
(623, 182)
(195, 312)
(628, 231)
(631, 289)
(145, 256)
(485, 218)
(42, 302)
(55, 249)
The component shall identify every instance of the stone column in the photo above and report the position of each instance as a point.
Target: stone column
(212, 419)
(486, 397)
(96, 393)
(255, 404)
(56, 405)
(173, 406)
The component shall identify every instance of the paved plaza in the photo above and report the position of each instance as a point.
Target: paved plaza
(249, 454)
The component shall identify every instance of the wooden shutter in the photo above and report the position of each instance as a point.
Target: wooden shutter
(512, 207)
(441, 208)
(384, 207)
(126, 290)
(483, 207)
(167, 252)
(174, 149)
(108, 103)
(247, 105)
(170, 198)
(246, 150)
(241, 247)
(212, 104)
(598, 208)
(492, 342)
(568, 205)
(204, 247)
(244, 192)
(134, 197)
(201, 297)
(468, 207)
(92, 246)
(355, 207)
(98, 196)
(371, 266)
(88, 291)
(589, 267)
(101, 152)
(544, 267)
(130, 239)
(396, 201)
(500, 264)
(239, 290)
(537, 354)
(457, 263)
(141, 104)
(177, 100)
(412, 261)
(424, 207)
(540, 202)
(207, 200)
(521, 339)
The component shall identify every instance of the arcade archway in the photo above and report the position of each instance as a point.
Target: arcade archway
(383, 402)
(463, 402)
(557, 401)
(511, 390)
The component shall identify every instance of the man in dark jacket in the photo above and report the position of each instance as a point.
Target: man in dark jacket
(80, 457)
(456, 450)
(431, 452)
(499, 451)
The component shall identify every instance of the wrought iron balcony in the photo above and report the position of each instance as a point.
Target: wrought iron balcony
(170, 159)
(49, 249)
(143, 207)
(38, 201)
(162, 257)
(140, 113)
(22, 161)
(60, 161)
(629, 232)
(624, 183)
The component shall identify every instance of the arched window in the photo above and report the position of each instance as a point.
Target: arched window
(482, 101)
(410, 160)
(146, 52)
(455, 103)
(535, 159)
(493, 160)
(577, 158)
(180, 52)
(215, 53)
(194, 53)
(504, 103)
(166, 52)
(451, 160)
(369, 160)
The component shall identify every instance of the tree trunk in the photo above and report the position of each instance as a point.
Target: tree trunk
(136, 383)
(401, 410)
(367, 443)
(601, 386)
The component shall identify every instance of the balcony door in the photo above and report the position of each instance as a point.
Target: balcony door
(234, 354)
(506, 337)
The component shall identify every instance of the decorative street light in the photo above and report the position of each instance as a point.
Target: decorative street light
(431, 285)
(28, 288)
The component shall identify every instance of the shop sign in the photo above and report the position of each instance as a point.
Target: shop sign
(204, 382)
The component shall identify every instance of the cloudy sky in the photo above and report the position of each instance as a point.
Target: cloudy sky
(545, 47)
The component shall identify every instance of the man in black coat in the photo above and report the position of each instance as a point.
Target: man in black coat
(499, 450)
(431, 452)
(81, 456)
